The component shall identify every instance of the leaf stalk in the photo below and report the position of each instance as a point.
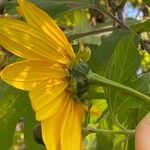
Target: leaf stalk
(104, 131)
(95, 79)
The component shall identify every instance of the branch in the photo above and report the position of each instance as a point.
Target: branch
(1, 6)
(120, 9)
(103, 10)
(99, 131)
(80, 35)
(95, 79)
(121, 6)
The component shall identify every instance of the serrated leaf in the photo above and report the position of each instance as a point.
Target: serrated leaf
(123, 69)
(101, 54)
(125, 109)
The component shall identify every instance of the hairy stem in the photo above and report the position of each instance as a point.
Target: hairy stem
(96, 79)
(99, 131)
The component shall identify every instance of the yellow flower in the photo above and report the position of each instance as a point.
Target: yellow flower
(47, 55)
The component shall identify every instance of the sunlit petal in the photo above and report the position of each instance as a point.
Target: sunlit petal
(44, 74)
(51, 127)
(71, 138)
(27, 74)
(52, 108)
(27, 42)
(38, 18)
(44, 93)
(63, 130)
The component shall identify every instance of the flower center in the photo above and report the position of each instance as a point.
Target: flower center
(78, 83)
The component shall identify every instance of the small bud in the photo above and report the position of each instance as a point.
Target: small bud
(84, 53)
(37, 134)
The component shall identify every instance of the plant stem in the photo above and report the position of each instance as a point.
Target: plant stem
(80, 35)
(103, 10)
(1, 6)
(96, 79)
(99, 131)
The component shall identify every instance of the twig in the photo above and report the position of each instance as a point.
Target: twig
(80, 35)
(1, 6)
(103, 10)
(120, 9)
(99, 131)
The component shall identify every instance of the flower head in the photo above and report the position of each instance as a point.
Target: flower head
(46, 55)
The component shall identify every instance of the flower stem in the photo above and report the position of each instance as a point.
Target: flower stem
(98, 131)
(96, 79)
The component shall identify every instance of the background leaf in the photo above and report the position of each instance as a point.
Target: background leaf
(123, 67)
(9, 114)
(147, 2)
(101, 54)
(15, 104)
(30, 123)
(53, 7)
(142, 27)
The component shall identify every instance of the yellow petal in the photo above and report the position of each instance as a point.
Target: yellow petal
(38, 18)
(27, 74)
(52, 108)
(51, 127)
(27, 42)
(71, 138)
(44, 93)
(63, 130)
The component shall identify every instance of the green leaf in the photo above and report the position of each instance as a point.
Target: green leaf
(83, 28)
(109, 141)
(15, 104)
(9, 113)
(72, 19)
(142, 27)
(56, 8)
(10, 6)
(147, 2)
(101, 54)
(125, 110)
(53, 7)
(30, 122)
(122, 69)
